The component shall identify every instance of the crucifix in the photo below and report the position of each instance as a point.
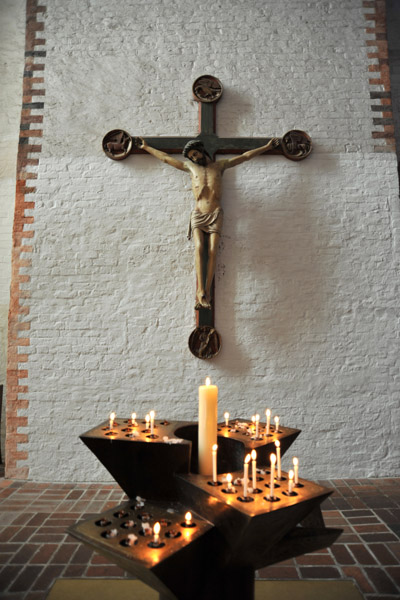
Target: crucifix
(206, 175)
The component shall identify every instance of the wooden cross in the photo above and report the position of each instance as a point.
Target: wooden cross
(205, 341)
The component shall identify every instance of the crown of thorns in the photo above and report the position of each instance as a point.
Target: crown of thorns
(194, 145)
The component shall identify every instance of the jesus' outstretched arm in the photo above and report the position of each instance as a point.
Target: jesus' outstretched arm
(163, 156)
(237, 160)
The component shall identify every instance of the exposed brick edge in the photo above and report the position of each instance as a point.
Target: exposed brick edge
(380, 75)
(30, 130)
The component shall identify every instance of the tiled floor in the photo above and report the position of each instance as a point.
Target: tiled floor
(35, 550)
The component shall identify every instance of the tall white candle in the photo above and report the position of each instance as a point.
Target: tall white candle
(296, 470)
(290, 484)
(268, 415)
(226, 417)
(208, 408)
(271, 484)
(152, 414)
(246, 475)
(214, 463)
(276, 419)
(254, 468)
(278, 458)
(257, 425)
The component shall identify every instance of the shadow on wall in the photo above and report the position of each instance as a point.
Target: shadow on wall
(279, 245)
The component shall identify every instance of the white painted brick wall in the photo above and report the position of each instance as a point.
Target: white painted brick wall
(307, 276)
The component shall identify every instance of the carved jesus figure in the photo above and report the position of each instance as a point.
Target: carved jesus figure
(206, 218)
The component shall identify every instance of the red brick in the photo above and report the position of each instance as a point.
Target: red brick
(361, 554)
(24, 555)
(75, 571)
(381, 582)
(278, 573)
(359, 576)
(315, 559)
(26, 579)
(342, 555)
(47, 577)
(44, 554)
(320, 572)
(104, 571)
(63, 555)
(82, 555)
(383, 554)
(394, 573)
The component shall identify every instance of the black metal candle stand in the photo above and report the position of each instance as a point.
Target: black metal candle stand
(213, 555)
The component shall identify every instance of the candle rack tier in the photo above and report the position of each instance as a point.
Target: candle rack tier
(213, 555)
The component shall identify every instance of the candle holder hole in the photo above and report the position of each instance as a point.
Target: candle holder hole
(152, 436)
(172, 533)
(298, 485)
(156, 544)
(188, 525)
(245, 499)
(274, 499)
(214, 483)
(145, 517)
(165, 522)
(121, 514)
(103, 523)
(127, 543)
(231, 491)
(128, 524)
(291, 494)
(109, 534)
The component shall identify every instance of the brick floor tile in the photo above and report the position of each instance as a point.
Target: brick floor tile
(395, 548)
(274, 572)
(381, 581)
(33, 596)
(25, 579)
(378, 537)
(22, 519)
(320, 572)
(4, 547)
(75, 571)
(8, 533)
(47, 577)
(38, 519)
(107, 571)
(379, 502)
(358, 513)
(342, 555)
(97, 559)
(314, 559)
(64, 554)
(356, 502)
(371, 528)
(363, 520)
(394, 573)
(362, 554)
(350, 538)
(39, 538)
(23, 534)
(44, 553)
(383, 554)
(82, 556)
(359, 576)
(7, 576)
(24, 554)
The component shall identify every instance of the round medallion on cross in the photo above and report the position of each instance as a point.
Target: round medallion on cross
(207, 88)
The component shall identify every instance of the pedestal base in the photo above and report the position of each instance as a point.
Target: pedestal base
(110, 589)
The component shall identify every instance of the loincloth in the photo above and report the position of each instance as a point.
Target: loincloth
(207, 222)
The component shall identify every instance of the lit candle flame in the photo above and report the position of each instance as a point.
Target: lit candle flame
(147, 419)
(291, 474)
(277, 443)
(253, 418)
(229, 478)
(112, 418)
(272, 459)
(208, 381)
(188, 518)
(257, 417)
(295, 461)
(226, 415)
(253, 455)
(133, 417)
(152, 414)
(215, 447)
(156, 528)
(268, 412)
(247, 459)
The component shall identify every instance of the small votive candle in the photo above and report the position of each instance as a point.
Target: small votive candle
(214, 462)
(152, 415)
(278, 459)
(246, 475)
(133, 419)
(271, 484)
(268, 418)
(112, 419)
(156, 534)
(296, 470)
(290, 484)
(188, 521)
(254, 468)
(257, 417)
(147, 419)
(226, 417)
(276, 419)
(229, 482)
